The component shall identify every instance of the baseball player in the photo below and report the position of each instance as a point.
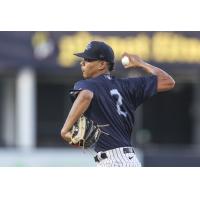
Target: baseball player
(111, 101)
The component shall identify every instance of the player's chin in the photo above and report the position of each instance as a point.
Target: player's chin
(85, 76)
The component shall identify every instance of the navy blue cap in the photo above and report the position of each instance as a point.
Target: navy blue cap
(98, 51)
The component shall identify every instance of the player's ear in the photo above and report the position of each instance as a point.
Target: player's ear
(102, 65)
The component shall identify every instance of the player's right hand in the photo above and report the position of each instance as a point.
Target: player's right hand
(134, 60)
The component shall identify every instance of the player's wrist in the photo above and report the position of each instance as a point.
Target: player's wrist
(148, 68)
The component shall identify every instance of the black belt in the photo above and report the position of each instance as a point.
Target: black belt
(103, 155)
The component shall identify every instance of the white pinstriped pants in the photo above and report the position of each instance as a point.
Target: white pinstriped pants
(117, 158)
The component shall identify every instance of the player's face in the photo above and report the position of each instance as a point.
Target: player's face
(89, 68)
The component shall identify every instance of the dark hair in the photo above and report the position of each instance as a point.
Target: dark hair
(110, 66)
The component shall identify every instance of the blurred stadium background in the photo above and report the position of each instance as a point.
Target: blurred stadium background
(37, 69)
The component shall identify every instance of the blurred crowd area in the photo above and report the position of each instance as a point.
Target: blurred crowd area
(37, 70)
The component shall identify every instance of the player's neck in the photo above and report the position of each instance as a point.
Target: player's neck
(101, 73)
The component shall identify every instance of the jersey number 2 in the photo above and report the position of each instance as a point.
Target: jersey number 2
(115, 93)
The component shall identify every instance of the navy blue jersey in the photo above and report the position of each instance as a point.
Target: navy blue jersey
(114, 103)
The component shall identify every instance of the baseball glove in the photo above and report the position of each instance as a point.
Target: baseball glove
(85, 133)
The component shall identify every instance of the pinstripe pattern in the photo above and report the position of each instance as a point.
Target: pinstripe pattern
(117, 158)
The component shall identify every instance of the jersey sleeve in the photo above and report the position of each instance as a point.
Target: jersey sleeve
(79, 86)
(84, 85)
(141, 88)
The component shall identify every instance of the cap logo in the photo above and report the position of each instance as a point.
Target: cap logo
(89, 46)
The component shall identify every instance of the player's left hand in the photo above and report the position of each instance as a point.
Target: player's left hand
(67, 137)
(134, 60)
(85, 133)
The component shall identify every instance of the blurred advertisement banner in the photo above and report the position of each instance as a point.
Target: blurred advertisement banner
(56, 49)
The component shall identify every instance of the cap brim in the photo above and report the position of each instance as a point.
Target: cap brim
(83, 55)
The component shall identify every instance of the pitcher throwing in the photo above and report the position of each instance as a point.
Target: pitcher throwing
(110, 101)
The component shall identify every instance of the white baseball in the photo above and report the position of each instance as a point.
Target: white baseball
(125, 60)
